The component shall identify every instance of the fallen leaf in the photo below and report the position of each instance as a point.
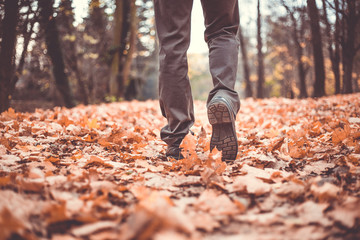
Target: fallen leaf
(210, 201)
(311, 212)
(91, 228)
(340, 133)
(347, 212)
(95, 161)
(9, 224)
(249, 184)
(326, 192)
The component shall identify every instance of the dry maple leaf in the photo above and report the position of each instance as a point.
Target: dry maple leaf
(216, 204)
(93, 124)
(249, 184)
(214, 161)
(56, 212)
(188, 146)
(153, 214)
(9, 224)
(347, 212)
(340, 133)
(95, 161)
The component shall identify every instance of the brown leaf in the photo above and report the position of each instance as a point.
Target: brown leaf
(276, 144)
(210, 201)
(95, 161)
(5, 181)
(214, 162)
(340, 133)
(326, 192)
(55, 212)
(90, 228)
(203, 141)
(8, 143)
(9, 224)
(169, 234)
(187, 180)
(311, 212)
(145, 164)
(249, 184)
(93, 124)
(346, 212)
(204, 221)
(290, 190)
(32, 185)
(153, 214)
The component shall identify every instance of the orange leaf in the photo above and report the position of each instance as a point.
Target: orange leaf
(214, 161)
(340, 133)
(52, 159)
(95, 161)
(9, 224)
(56, 213)
(93, 124)
(5, 180)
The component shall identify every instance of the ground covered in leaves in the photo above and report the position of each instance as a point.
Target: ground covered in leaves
(98, 172)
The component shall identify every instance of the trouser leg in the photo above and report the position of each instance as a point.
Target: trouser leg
(222, 22)
(176, 103)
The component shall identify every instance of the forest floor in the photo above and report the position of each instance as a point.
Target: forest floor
(98, 172)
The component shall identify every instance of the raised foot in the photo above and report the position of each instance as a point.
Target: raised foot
(223, 129)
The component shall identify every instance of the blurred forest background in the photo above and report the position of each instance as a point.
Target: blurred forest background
(288, 48)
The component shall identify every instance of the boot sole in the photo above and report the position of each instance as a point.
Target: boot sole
(223, 130)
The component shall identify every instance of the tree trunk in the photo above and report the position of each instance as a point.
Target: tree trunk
(130, 51)
(298, 34)
(287, 86)
(319, 85)
(349, 50)
(245, 61)
(301, 71)
(48, 23)
(121, 30)
(336, 68)
(96, 26)
(261, 73)
(300, 54)
(67, 20)
(333, 53)
(7, 54)
(348, 60)
(115, 64)
(27, 32)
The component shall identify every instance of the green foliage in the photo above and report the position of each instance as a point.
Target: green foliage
(110, 99)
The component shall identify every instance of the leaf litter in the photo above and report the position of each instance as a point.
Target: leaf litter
(99, 172)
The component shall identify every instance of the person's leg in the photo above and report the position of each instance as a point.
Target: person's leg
(173, 29)
(222, 22)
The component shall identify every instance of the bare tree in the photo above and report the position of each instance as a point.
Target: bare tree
(245, 61)
(27, 29)
(66, 27)
(96, 69)
(261, 72)
(350, 11)
(319, 84)
(122, 50)
(297, 35)
(333, 43)
(7, 52)
(48, 23)
(131, 85)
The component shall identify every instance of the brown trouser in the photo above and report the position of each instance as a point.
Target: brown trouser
(173, 29)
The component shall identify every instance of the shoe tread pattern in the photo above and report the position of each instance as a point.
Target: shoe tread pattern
(224, 134)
